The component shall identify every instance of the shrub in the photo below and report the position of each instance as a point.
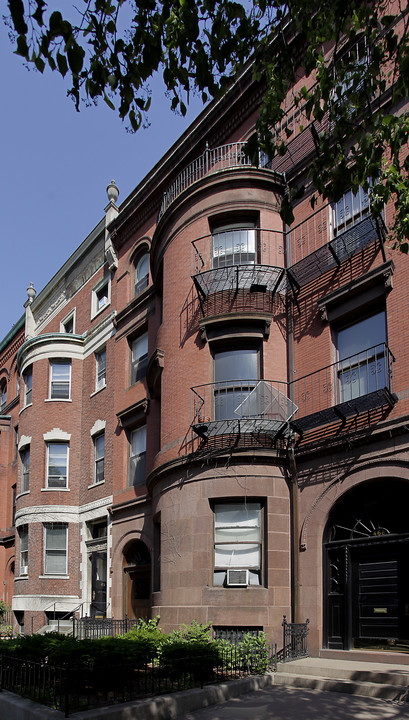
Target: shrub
(254, 655)
(196, 658)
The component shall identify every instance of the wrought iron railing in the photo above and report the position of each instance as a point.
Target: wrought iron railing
(74, 689)
(238, 246)
(211, 161)
(93, 628)
(241, 406)
(295, 641)
(352, 385)
(344, 382)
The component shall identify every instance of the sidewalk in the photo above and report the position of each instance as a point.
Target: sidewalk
(280, 703)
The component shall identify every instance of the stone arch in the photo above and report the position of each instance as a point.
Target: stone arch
(137, 579)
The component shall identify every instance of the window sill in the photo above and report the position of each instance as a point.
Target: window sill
(101, 310)
(97, 484)
(25, 492)
(25, 408)
(54, 577)
(67, 400)
(21, 577)
(55, 489)
(98, 391)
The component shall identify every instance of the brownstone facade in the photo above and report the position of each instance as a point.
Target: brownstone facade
(212, 415)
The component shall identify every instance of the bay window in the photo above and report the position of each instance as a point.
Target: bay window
(236, 374)
(55, 548)
(23, 536)
(25, 469)
(237, 543)
(57, 465)
(60, 379)
(234, 244)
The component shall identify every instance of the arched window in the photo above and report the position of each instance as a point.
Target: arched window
(141, 273)
(3, 394)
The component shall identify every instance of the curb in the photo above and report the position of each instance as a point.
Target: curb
(165, 707)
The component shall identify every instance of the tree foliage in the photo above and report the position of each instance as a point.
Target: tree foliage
(354, 54)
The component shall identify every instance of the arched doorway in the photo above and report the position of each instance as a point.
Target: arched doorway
(366, 582)
(137, 580)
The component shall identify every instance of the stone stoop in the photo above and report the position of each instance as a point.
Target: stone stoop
(64, 627)
(368, 679)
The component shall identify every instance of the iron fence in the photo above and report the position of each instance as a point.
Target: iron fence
(75, 689)
(295, 641)
(93, 628)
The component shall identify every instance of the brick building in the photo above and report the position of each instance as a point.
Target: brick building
(205, 413)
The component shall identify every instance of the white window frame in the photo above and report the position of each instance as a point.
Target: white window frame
(28, 385)
(139, 362)
(62, 552)
(25, 471)
(98, 459)
(252, 546)
(23, 532)
(67, 464)
(100, 378)
(350, 209)
(137, 437)
(234, 244)
(63, 324)
(96, 306)
(53, 364)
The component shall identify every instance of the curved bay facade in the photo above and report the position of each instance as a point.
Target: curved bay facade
(204, 413)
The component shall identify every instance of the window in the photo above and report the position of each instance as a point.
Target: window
(141, 274)
(23, 535)
(55, 548)
(57, 465)
(60, 380)
(25, 469)
(101, 296)
(139, 358)
(137, 459)
(362, 358)
(349, 73)
(28, 383)
(234, 244)
(349, 210)
(237, 543)
(100, 373)
(3, 394)
(235, 374)
(68, 325)
(99, 458)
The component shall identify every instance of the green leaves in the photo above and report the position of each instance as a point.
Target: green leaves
(353, 72)
(16, 8)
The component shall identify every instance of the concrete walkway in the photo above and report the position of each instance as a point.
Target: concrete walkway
(279, 703)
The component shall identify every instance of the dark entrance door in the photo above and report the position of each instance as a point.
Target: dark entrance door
(99, 584)
(365, 569)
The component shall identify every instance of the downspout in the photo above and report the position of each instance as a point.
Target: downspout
(295, 550)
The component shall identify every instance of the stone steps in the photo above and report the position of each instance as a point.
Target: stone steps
(367, 679)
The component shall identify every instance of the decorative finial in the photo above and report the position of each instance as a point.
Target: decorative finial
(112, 191)
(31, 293)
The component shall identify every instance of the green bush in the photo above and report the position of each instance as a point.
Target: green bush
(254, 654)
(195, 658)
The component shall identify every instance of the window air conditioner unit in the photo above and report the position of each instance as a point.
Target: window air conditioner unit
(238, 578)
(23, 569)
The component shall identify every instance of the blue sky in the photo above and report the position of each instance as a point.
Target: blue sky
(55, 166)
